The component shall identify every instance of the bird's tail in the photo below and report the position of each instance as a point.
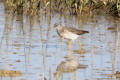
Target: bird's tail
(83, 32)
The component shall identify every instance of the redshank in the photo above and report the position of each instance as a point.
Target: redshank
(69, 33)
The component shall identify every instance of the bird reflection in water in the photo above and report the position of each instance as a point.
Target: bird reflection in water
(68, 66)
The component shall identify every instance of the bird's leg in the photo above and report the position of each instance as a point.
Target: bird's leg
(69, 48)
(81, 46)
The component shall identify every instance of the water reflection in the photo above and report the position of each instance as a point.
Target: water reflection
(68, 66)
(30, 45)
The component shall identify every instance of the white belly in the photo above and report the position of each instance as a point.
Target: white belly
(70, 35)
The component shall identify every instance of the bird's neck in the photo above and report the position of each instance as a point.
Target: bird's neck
(59, 28)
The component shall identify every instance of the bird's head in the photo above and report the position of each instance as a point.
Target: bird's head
(57, 25)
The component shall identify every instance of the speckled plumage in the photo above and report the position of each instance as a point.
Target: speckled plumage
(69, 32)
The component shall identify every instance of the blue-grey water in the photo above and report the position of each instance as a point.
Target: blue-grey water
(32, 46)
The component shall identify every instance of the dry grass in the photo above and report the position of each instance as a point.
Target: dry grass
(76, 7)
(9, 73)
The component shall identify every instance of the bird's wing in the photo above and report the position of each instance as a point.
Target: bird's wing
(76, 31)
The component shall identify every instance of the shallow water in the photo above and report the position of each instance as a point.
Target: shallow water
(32, 46)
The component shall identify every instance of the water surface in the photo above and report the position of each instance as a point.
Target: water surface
(32, 46)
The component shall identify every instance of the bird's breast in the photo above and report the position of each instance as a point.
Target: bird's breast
(70, 35)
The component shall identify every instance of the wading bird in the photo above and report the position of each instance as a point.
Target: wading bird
(69, 33)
